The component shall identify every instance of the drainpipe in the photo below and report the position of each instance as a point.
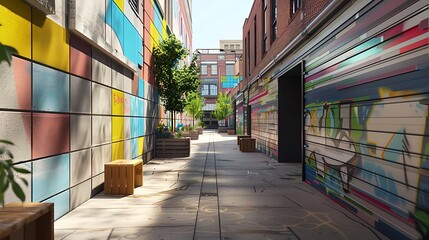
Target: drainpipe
(311, 27)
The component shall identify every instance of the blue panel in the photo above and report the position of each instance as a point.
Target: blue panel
(141, 88)
(61, 204)
(133, 43)
(157, 19)
(108, 17)
(140, 109)
(134, 106)
(134, 127)
(118, 23)
(50, 89)
(141, 127)
(134, 148)
(50, 176)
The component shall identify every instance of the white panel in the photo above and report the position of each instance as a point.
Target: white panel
(101, 68)
(80, 166)
(80, 95)
(117, 77)
(101, 130)
(16, 127)
(127, 149)
(127, 105)
(128, 84)
(127, 128)
(80, 194)
(80, 132)
(60, 13)
(101, 99)
(8, 90)
(134, 19)
(97, 181)
(10, 195)
(100, 156)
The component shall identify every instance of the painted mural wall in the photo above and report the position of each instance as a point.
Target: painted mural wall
(74, 100)
(366, 116)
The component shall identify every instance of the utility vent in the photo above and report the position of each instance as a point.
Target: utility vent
(134, 5)
(208, 194)
(46, 6)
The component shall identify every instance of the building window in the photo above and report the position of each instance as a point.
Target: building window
(229, 69)
(231, 46)
(237, 46)
(255, 49)
(296, 4)
(213, 90)
(203, 69)
(205, 90)
(264, 26)
(214, 69)
(226, 46)
(273, 20)
(134, 5)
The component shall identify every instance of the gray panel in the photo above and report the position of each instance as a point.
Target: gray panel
(15, 127)
(80, 166)
(101, 99)
(127, 127)
(101, 68)
(80, 132)
(127, 149)
(101, 129)
(100, 155)
(128, 82)
(10, 195)
(117, 77)
(80, 95)
(80, 194)
(97, 181)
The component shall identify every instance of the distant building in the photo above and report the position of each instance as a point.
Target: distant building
(219, 73)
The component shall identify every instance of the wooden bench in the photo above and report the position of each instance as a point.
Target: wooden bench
(25, 221)
(122, 176)
(239, 137)
(247, 144)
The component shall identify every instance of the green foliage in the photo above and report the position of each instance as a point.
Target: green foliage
(7, 175)
(223, 107)
(174, 82)
(6, 53)
(194, 105)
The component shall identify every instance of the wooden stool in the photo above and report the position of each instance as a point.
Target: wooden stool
(247, 144)
(239, 137)
(121, 176)
(27, 221)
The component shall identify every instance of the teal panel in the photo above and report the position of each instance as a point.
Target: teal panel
(50, 176)
(141, 88)
(50, 89)
(61, 204)
(134, 106)
(117, 22)
(134, 148)
(132, 43)
(135, 127)
(141, 126)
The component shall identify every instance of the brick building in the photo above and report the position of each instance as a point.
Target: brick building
(342, 87)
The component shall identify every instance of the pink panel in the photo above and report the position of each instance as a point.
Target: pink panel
(50, 134)
(80, 57)
(22, 72)
(135, 85)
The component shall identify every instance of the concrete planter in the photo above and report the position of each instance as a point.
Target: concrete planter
(191, 134)
(172, 147)
(231, 132)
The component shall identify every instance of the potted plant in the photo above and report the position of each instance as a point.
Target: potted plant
(222, 110)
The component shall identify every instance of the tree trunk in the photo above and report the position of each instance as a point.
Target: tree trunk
(193, 121)
(172, 122)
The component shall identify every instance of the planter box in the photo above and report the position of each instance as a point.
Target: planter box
(191, 134)
(200, 130)
(247, 144)
(172, 147)
(231, 132)
(27, 221)
(222, 129)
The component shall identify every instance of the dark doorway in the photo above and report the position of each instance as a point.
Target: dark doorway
(290, 116)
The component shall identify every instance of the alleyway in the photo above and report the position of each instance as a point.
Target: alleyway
(217, 193)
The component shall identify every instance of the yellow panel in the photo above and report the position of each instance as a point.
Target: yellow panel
(117, 128)
(117, 102)
(154, 35)
(15, 29)
(117, 151)
(140, 142)
(50, 45)
(120, 4)
(164, 29)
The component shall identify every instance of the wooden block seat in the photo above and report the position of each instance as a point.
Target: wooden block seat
(122, 176)
(239, 137)
(247, 144)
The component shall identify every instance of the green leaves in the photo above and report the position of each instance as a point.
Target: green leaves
(8, 172)
(223, 107)
(6, 53)
(194, 105)
(174, 82)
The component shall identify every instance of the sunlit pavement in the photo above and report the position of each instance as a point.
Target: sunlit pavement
(216, 193)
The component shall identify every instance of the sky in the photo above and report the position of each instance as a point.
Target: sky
(214, 20)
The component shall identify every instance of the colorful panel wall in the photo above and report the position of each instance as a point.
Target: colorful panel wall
(74, 100)
(366, 117)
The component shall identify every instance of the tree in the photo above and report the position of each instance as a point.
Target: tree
(223, 107)
(194, 106)
(174, 82)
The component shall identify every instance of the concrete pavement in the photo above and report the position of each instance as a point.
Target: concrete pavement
(216, 193)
